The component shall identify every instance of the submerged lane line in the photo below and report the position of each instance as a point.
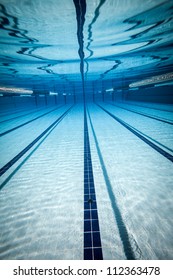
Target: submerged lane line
(25, 159)
(162, 110)
(20, 110)
(117, 214)
(27, 148)
(17, 117)
(12, 113)
(34, 119)
(139, 135)
(92, 239)
(153, 140)
(143, 114)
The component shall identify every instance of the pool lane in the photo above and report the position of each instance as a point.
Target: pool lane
(30, 145)
(142, 136)
(14, 142)
(123, 232)
(151, 116)
(8, 129)
(141, 180)
(41, 206)
(19, 115)
(42, 214)
(11, 111)
(157, 132)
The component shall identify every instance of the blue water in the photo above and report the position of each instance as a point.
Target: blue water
(39, 46)
(86, 154)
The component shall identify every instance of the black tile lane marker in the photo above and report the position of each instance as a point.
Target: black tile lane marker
(18, 156)
(117, 214)
(153, 140)
(149, 107)
(92, 240)
(26, 158)
(12, 112)
(23, 124)
(142, 114)
(139, 135)
(17, 117)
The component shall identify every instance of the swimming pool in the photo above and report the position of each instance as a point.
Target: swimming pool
(86, 130)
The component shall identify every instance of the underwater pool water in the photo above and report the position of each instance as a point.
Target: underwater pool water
(86, 115)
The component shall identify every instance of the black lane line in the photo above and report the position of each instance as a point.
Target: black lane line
(149, 107)
(143, 114)
(11, 113)
(16, 111)
(153, 140)
(92, 239)
(117, 213)
(25, 159)
(16, 127)
(139, 135)
(18, 156)
(35, 111)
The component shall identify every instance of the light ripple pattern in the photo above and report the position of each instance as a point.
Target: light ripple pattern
(42, 205)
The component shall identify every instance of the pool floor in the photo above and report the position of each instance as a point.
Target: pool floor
(100, 182)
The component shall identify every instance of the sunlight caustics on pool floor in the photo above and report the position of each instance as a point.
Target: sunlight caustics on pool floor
(45, 195)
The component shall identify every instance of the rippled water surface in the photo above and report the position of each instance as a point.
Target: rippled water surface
(38, 42)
